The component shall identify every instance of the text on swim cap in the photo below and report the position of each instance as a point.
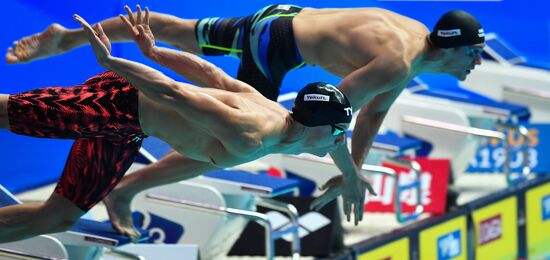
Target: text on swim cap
(316, 97)
(480, 33)
(349, 112)
(449, 33)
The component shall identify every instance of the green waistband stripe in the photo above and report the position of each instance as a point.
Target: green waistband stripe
(298, 66)
(277, 15)
(219, 48)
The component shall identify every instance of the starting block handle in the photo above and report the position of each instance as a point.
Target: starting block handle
(259, 218)
(415, 184)
(10, 253)
(419, 208)
(292, 213)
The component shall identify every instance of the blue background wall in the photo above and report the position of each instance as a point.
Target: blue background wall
(525, 24)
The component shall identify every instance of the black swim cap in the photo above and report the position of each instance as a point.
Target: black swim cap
(321, 103)
(455, 29)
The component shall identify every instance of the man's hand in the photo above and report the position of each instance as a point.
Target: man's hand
(99, 41)
(139, 28)
(351, 188)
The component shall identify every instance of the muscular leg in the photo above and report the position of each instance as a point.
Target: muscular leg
(4, 124)
(95, 165)
(173, 167)
(26, 220)
(57, 39)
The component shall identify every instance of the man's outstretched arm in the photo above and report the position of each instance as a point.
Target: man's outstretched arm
(185, 99)
(198, 70)
(373, 88)
(57, 39)
(368, 123)
(190, 66)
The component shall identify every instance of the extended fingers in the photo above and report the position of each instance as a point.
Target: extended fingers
(98, 29)
(362, 212)
(138, 19)
(357, 208)
(367, 184)
(102, 36)
(371, 190)
(129, 25)
(87, 28)
(146, 16)
(130, 15)
(95, 36)
(347, 208)
(141, 29)
(79, 19)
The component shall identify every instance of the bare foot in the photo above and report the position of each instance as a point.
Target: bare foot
(120, 215)
(36, 46)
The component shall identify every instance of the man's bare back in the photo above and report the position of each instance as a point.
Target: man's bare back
(343, 40)
(247, 135)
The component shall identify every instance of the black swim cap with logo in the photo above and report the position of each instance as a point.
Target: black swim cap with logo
(455, 29)
(321, 103)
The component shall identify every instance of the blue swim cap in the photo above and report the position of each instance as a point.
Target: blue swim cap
(456, 29)
(321, 103)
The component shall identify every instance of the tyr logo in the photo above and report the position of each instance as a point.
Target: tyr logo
(349, 111)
